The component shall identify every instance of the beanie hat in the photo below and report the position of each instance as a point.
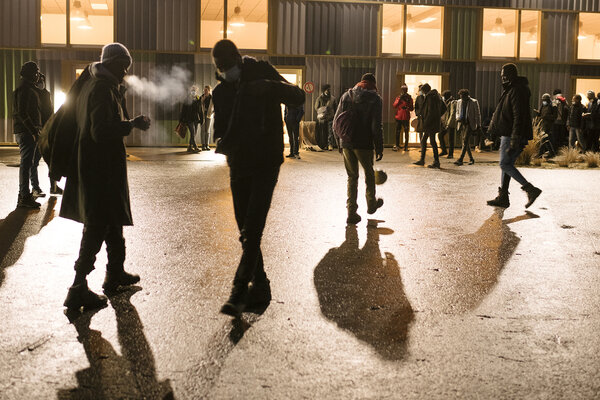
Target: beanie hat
(546, 96)
(368, 77)
(113, 51)
(29, 69)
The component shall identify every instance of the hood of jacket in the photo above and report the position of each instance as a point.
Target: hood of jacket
(432, 93)
(361, 95)
(99, 71)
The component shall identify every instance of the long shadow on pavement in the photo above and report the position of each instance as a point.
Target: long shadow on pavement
(131, 375)
(19, 225)
(363, 293)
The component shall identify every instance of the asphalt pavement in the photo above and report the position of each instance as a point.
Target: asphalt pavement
(435, 296)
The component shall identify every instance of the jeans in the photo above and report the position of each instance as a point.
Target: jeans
(466, 148)
(91, 242)
(294, 137)
(252, 193)
(507, 163)
(204, 132)
(352, 157)
(30, 159)
(576, 134)
(402, 126)
(431, 137)
(192, 128)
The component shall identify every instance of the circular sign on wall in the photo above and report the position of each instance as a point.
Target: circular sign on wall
(309, 87)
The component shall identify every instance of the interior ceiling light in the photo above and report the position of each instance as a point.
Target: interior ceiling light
(99, 6)
(498, 29)
(237, 19)
(427, 20)
(86, 24)
(77, 13)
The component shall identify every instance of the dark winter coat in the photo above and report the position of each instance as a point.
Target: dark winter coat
(249, 126)
(451, 122)
(327, 101)
(419, 102)
(592, 121)
(547, 116)
(191, 111)
(46, 108)
(433, 109)
(98, 192)
(403, 105)
(293, 115)
(562, 110)
(512, 116)
(27, 116)
(368, 104)
(576, 115)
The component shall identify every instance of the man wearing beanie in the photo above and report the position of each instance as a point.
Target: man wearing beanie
(27, 119)
(365, 143)
(97, 193)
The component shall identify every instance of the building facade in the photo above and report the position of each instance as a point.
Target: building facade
(451, 44)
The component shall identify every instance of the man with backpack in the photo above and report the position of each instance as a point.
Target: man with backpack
(358, 124)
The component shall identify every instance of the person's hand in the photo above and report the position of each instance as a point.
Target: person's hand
(141, 122)
(259, 87)
(379, 156)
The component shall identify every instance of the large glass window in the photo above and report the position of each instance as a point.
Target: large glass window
(529, 37)
(246, 23)
(391, 31)
(499, 33)
(424, 30)
(588, 38)
(91, 22)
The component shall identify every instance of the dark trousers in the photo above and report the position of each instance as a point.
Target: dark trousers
(466, 148)
(442, 136)
(431, 137)
(30, 159)
(330, 137)
(294, 137)
(204, 131)
(402, 126)
(91, 242)
(192, 128)
(364, 157)
(507, 163)
(252, 193)
(593, 136)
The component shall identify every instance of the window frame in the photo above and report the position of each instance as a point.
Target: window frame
(517, 56)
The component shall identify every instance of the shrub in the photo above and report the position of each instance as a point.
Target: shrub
(570, 155)
(529, 152)
(592, 159)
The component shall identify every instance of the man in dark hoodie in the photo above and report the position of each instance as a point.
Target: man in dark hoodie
(559, 128)
(512, 122)
(247, 109)
(97, 192)
(367, 136)
(432, 110)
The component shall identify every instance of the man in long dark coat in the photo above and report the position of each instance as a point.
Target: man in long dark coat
(97, 191)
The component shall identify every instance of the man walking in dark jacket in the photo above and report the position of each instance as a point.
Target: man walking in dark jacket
(575, 124)
(512, 122)
(292, 117)
(97, 192)
(367, 135)
(432, 110)
(247, 110)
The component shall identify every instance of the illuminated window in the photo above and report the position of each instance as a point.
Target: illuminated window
(246, 23)
(91, 21)
(211, 22)
(588, 38)
(391, 31)
(583, 85)
(424, 30)
(499, 33)
(529, 45)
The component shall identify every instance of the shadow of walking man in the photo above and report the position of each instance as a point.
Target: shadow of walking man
(131, 375)
(363, 293)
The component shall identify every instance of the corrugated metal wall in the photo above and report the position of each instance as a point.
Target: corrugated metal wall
(321, 70)
(136, 23)
(183, 15)
(464, 33)
(291, 27)
(559, 29)
(18, 23)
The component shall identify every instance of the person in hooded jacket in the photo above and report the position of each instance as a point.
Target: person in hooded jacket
(403, 105)
(247, 112)
(547, 115)
(97, 191)
(576, 123)
(366, 142)
(559, 128)
(325, 107)
(292, 117)
(431, 112)
(191, 115)
(511, 121)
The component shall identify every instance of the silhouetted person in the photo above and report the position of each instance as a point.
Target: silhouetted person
(97, 194)
(191, 115)
(576, 123)
(431, 113)
(547, 116)
(207, 110)
(249, 131)
(403, 105)
(292, 117)
(512, 122)
(419, 102)
(446, 117)
(325, 107)
(591, 119)
(468, 118)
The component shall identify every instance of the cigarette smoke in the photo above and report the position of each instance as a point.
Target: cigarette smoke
(164, 87)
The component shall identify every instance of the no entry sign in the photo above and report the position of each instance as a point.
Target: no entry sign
(309, 87)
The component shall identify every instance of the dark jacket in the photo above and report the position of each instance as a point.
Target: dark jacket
(206, 106)
(451, 122)
(562, 110)
(419, 102)
(547, 115)
(191, 111)
(512, 116)
(98, 192)
(27, 116)
(249, 126)
(293, 115)
(433, 109)
(576, 115)
(368, 104)
(46, 108)
(592, 119)
(403, 105)
(326, 101)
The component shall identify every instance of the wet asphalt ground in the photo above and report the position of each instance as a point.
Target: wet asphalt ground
(436, 296)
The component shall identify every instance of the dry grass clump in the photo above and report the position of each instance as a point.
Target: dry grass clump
(571, 154)
(537, 161)
(591, 159)
(529, 152)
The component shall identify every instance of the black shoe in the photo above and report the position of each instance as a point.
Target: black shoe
(81, 296)
(27, 202)
(259, 294)
(443, 153)
(450, 156)
(237, 301)
(290, 156)
(471, 162)
(112, 281)
(436, 164)
(458, 162)
(37, 192)
(353, 219)
(373, 207)
(55, 189)
(406, 149)
(420, 162)
(501, 200)
(532, 193)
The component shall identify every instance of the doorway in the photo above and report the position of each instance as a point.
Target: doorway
(413, 82)
(293, 76)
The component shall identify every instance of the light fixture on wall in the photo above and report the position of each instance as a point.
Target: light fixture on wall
(77, 14)
(237, 20)
(498, 29)
(427, 20)
(532, 36)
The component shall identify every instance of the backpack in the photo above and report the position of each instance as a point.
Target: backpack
(345, 123)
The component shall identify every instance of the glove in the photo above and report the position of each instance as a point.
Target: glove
(141, 122)
(378, 157)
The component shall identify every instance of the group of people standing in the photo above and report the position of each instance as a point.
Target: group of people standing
(196, 111)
